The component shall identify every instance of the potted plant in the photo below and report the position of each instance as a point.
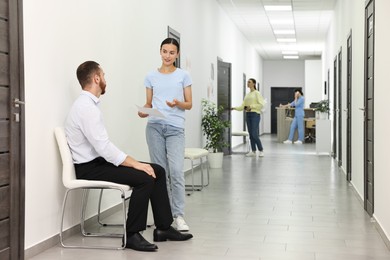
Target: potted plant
(213, 127)
(322, 109)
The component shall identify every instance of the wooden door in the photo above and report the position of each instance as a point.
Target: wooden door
(280, 95)
(11, 132)
(369, 108)
(224, 85)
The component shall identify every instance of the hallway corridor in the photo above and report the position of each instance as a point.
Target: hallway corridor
(292, 204)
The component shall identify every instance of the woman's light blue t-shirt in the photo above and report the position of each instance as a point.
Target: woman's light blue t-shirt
(167, 87)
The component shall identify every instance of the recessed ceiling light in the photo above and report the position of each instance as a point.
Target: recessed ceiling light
(286, 40)
(281, 21)
(277, 7)
(290, 57)
(284, 31)
(290, 52)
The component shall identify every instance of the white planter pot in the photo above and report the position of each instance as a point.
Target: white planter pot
(215, 160)
(321, 115)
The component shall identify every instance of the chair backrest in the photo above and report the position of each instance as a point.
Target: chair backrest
(68, 171)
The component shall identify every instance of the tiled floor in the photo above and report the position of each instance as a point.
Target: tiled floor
(290, 204)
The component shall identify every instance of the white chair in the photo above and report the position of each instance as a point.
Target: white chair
(71, 183)
(243, 134)
(193, 154)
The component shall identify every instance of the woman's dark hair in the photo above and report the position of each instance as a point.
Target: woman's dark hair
(171, 41)
(85, 72)
(298, 90)
(254, 81)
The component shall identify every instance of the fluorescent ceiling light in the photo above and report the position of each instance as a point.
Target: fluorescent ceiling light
(290, 52)
(290, 57)
(284, 31)
(277, 7)
(286, 40)
(281, 21)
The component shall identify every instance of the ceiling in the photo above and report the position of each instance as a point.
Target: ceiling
(309, 21)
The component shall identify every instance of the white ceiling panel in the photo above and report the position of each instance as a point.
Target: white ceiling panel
(310, 20)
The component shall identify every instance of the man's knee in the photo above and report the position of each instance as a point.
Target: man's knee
(158, 170)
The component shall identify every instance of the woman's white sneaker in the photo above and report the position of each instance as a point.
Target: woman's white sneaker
(250, 154)
(261, 154)
(287, 142)
(180, 224)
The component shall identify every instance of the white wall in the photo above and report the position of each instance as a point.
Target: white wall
(313, 81)
(349, 16)
(124, 37)
(280, 73)
(381, 135)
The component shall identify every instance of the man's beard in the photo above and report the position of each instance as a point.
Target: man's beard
(102, 86)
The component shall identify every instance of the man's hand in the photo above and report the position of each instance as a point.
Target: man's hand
(145, 167)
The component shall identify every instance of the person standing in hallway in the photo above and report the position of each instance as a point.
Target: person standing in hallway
(298, 121)
(96, 158)
(253, 104)
(168, 89)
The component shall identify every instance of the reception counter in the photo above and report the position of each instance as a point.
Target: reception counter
(284, 119)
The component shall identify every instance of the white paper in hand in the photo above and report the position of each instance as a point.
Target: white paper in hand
(150, 111)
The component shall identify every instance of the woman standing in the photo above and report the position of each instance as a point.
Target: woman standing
(253, 104)
(168, 89)
(298, 121)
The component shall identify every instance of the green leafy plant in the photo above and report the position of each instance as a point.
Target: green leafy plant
(322, 106)
(213, 126)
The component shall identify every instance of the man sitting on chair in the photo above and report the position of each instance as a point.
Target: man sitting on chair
(96, 158)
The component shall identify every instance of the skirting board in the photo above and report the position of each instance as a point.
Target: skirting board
(55, 240)
(378, 227)
(382, 233)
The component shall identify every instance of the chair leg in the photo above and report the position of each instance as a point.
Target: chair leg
(99, 211)
(62, 217)
(208, 172)
(88, 234)
(192, 178)
(202, 184)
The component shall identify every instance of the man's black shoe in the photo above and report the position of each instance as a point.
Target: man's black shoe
(137, 242)
(169, 234)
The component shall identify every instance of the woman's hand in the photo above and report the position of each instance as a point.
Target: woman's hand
(142, 115)
(174, 103)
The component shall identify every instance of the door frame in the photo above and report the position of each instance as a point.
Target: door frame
(340, 107)
(369, 166)
(349, 108)
(335, 112)
(16, 130)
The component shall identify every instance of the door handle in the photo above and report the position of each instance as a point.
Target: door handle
(18, 102)
(362, 109)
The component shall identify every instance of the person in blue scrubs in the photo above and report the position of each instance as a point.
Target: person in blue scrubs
(298, 121)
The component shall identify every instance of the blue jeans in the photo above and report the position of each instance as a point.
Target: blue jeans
(166, 148)
(296, 123)
(253, 121)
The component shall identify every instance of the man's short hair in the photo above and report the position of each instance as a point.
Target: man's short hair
(85, 72)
